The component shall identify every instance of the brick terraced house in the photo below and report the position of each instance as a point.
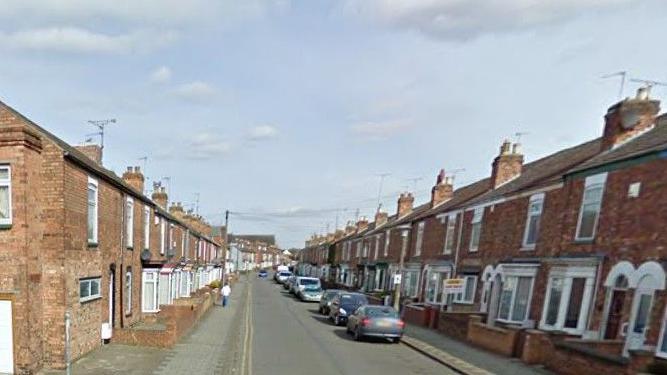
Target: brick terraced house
(75, 238)
(562, 259)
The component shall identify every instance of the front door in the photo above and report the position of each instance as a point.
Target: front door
(639, 320)
(493, 300)
(6, 338)
(615, 314)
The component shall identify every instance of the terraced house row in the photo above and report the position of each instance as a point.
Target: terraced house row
(563, 258)
(77, 239)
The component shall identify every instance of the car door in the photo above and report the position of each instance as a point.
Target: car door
(335, 303)
(356, 316)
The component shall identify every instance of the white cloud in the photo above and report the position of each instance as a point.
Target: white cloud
(196, 90)
(263, 132)
(379, 130)
(464, 19)
(204, 146)
(161, 75)
(78, 40)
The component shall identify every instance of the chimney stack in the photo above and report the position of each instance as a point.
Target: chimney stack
(629, 118)
(350, 228)
(443, 189)
(507, 165)
(134, 178)
(93, 152)
(176, 209)
(405, 202)
(380, 218)
(159, 195)
(362, 224)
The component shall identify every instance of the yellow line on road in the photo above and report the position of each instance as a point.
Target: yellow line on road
(246, 355)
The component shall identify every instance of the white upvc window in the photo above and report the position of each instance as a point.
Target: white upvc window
(163, 229)
(129, 222)
(469, 287)
(387, 239)
(568, 298)
(449, 234)
(410, 283)
(435, 286)
(89, 289)
(147, 227)
(515, 297)
(476, 230)
(590, 206)
(5, 195)
(172, 243)
(357, 249)
(187, 242)
(365, 248)
(531, 234)
(377, 246)
(93, 202)
(149, 291)
(185, 284)
(420, 238)
(128, 291)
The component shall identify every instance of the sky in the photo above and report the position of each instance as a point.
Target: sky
(287, 112)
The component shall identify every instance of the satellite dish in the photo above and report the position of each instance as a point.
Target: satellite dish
(146, 255)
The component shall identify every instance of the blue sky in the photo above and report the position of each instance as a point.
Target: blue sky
(285, 112)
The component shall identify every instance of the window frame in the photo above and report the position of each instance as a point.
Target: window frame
(147, 227)
(129, 223)
(90, 280)
(163, 230)
(387, 239)
(156, 283)
(513, 305)
(450, 233)
(535, 198)
(128, 291)
(592, 182)
(568, 274)
(476, 223)
(8, 183)
(377, 246)
(93, 183)
(460, 297)
(419, 241)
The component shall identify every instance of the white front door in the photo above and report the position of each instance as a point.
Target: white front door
(639, 320)
(6, 338)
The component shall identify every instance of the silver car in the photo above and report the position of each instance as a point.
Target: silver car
(308, 289)
(325, 301)
(376, 321)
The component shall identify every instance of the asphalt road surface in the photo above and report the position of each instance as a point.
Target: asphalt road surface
(290, 337)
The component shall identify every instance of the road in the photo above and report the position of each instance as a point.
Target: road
(287, 336)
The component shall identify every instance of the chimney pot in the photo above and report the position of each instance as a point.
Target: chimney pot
(643, 93)
(516, 148)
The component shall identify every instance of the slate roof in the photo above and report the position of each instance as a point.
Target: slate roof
(268, 239)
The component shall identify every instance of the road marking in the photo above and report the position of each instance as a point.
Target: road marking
(246, 353)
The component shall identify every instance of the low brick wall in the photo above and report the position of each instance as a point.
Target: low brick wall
(455, 324)
(170, 324)
(416, 314)
(496, 339)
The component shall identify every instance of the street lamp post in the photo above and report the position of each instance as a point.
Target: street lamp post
(399, 283)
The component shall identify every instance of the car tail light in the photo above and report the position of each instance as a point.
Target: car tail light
(401, 324)
(365, 322)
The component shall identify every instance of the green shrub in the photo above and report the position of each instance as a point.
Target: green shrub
(215, 284)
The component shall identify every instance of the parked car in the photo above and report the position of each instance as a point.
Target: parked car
(308, 289)
(282, 276)
(376, 321)
(344, 304)
(263, 274)
(292, 285)
(288, 283)
(325, 301)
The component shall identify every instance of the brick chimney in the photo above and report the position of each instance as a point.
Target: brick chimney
(339, 234)
(350, 228)
(134, 178)
(159, 195)
(443, 189)
(405, 202)
(629, 118)
(362, 224)
(176, 209)
(93, 152)
(507, 165)
(380, 218)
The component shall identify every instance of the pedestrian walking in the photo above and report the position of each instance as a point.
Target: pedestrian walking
(226, 291)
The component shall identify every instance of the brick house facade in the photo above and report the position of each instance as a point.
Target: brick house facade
(561, 256)
(76, 239)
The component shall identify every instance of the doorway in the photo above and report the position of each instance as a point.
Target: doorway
(639, 318)
(6, 337)
(616, 303)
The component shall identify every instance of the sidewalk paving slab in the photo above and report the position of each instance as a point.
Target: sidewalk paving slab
(463, 357)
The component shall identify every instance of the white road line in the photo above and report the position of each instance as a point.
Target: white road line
(246, 354)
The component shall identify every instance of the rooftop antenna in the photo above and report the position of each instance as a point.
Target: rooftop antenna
(452, 173)
(518, 136)
(168, 183)
(414, 182)
(101, 124)
(648, 83)
(621, 74)
(197, 203)
(382, 177)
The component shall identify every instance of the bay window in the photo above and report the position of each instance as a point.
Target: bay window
(532, 230)
(476, 229)
(569, 293)
(515, 299)
(5, 195)
(590, 206)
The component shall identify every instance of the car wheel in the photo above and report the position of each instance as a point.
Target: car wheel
(396, 340)
(357, 335)
(336, 320)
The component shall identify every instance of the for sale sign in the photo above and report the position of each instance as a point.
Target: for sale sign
(397, 279)
(453, 286)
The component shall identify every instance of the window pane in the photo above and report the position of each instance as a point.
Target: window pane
(574, 306)
(554, 301)
(593, 194)
(588, 216)
(474, 238)
(94, 287)
(521, 299)
(642, 313)
(663, 346)
(470, 288)
(4, 202)
(533, 229)
(4, 174)
(84, 289)
(506, 298)
(149, 295)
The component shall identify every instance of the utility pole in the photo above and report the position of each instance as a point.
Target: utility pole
(398, 285)
(101, 124)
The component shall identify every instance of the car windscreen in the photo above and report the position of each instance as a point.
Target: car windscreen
(309, 282)
(285, 274)
(351, 299)
(381, 312)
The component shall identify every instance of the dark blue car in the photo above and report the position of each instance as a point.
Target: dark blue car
(263, 274)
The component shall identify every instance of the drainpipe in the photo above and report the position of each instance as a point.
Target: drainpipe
(68, 354)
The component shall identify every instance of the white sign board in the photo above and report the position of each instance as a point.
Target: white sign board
(453, 286)
(397, 279)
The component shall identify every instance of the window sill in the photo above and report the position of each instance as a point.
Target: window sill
(129, 248)
(583, 241)
(5, 226)
(527, 248)
(90, 299)
(464, 302)
(93, 245)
